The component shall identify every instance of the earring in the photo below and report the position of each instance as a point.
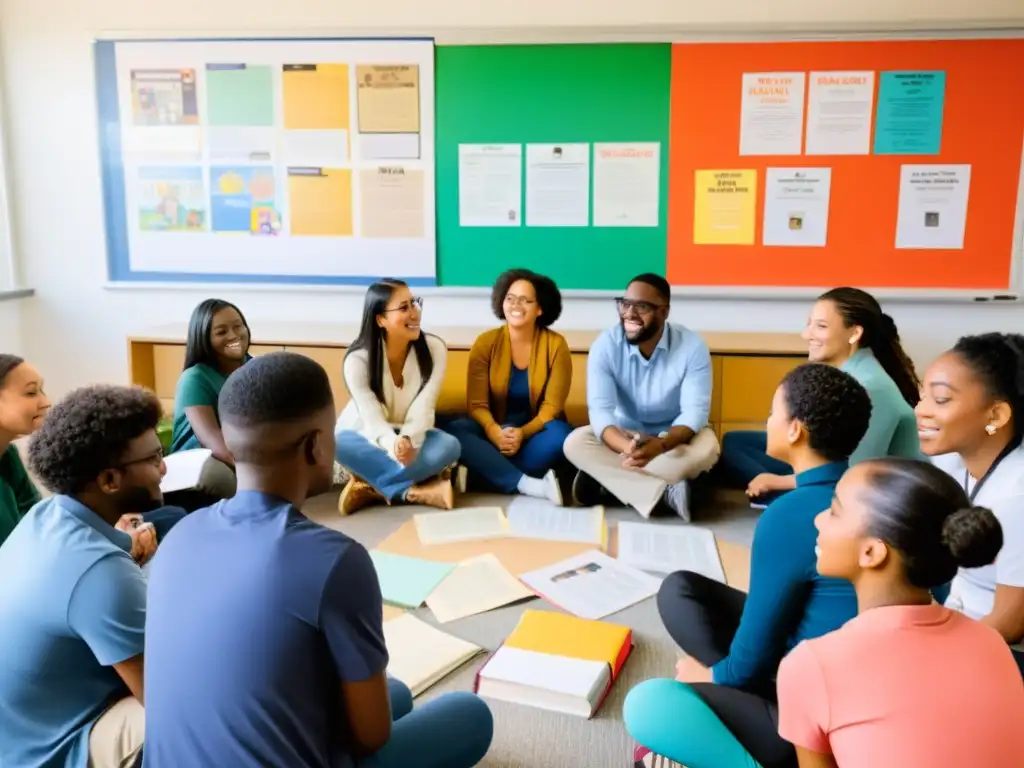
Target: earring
(853, 341)
(990, 429)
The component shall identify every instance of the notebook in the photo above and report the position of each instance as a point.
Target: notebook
(184, 469)
(557, 662)
(422, 655)
(471, 524)
(406, 581)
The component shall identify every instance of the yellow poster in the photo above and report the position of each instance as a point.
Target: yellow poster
(320, 201)
(724, 207)
(388, 98)
(315, 97)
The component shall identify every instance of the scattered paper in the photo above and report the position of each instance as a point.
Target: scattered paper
(184, 469)
(392, 612)
(530, 518)
(592, 585)
(421, 655)
(724, 207)
(839, 113)
(796, 206)
(406, 581)
(670, 548)
(557, 185)
(476, 585)
(933, 206)
(626, 184)
(772, 113)
(490, 185)
(468, 524)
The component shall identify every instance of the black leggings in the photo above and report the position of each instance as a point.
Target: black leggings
(702, 616)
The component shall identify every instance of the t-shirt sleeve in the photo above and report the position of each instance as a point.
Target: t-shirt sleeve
(803, 702)
(1010, 561)
(108, 609)
(351, 617)
(195, 390)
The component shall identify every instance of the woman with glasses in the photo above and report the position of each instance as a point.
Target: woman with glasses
(385, 435)
(518, 381)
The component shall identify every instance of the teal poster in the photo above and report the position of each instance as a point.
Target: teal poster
(909, 119)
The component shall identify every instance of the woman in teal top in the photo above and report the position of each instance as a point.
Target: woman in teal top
(217, 346)
(847, 329)
(23, 405)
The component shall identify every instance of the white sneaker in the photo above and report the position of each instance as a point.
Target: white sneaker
(677, 496)
(461, 477)
(552, 491)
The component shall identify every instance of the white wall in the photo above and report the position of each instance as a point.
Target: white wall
(75, 330)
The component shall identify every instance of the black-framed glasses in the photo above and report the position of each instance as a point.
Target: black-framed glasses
(642, 307)
(417, 301)
(156, 459)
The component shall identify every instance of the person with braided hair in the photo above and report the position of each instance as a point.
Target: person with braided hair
(971, 420)
(846, 329)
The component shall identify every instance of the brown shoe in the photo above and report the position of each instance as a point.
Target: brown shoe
(436, 492)
(358, 494)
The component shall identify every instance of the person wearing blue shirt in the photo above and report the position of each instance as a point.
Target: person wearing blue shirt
(648, 397)
(72, 599)
(725, 686)
(265, 641)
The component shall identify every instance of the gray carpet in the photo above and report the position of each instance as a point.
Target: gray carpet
(525, 737)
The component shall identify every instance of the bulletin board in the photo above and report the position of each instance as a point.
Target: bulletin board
(268, 161)
(982, 125)
(550, 94)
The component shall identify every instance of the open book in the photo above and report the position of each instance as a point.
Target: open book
(557, 662)
(422, 655)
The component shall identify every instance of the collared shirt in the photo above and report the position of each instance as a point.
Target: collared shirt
(72, 604)
(671, 389)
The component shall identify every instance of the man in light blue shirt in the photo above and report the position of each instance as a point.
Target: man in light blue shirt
(72, 598)
(649, 395)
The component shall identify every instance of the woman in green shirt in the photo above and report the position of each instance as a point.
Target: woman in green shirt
(23, 405)
(217, 346)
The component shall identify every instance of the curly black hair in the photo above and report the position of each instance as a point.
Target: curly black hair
(832, 405)
(998, 360)
(275, 388)
(89, 431)
(548, 295)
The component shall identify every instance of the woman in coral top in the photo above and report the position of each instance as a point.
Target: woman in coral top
(907, 682)
(518, 381)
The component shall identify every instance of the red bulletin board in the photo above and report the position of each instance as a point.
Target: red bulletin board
(983, 125)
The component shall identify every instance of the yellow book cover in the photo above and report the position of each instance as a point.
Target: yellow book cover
(560, 634)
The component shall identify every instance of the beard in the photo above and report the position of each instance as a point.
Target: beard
(139, 501)
(648, 332)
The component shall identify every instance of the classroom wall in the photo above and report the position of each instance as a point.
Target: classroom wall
(75, 329)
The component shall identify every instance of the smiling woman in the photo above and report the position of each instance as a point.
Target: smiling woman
(23, 404)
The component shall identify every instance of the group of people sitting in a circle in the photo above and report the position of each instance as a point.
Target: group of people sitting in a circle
(887, 570)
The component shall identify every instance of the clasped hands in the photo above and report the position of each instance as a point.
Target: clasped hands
(510, 440)
(641, 450)
(143, 536)
(405, 451)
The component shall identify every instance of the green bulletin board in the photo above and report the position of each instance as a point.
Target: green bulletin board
(549, 93)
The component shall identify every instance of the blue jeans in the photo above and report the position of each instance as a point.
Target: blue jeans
(536, 455)
(745, 456)
(451, 731)
(374, 465)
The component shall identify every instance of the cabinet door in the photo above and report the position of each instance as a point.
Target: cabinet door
(749, 383)
(331, 358)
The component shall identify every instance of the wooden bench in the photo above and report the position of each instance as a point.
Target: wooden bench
(747, 366)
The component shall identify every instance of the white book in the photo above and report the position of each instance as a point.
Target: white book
(469, 524)
(556, 683)
(184, 469)
(530, 518)
(422, 655)
(476, 585)
(670, 548)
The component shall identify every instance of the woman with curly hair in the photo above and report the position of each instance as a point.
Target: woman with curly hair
(518, 381)
(722, 702)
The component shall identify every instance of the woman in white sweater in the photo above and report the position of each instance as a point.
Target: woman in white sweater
(385, 435)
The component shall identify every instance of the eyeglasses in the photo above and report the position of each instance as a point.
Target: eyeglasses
(417, 301)
(518, 301)
(156, 459)
(642, 307)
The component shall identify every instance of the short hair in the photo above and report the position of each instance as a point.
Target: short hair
(924, 514)
(832, 405)
(275, 388)
(7, 364)
(548, 295)
(998, 360)
(198, 348)
(88, 432)
(657, 282)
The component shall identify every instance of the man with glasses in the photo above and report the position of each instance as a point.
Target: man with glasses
(648, 395)
(72, 598)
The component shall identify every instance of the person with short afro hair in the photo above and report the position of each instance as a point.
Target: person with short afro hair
(516, 387)
(723, 699)
(72, 596)
(259, 615)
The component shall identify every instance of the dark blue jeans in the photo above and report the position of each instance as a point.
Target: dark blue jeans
(745, 456)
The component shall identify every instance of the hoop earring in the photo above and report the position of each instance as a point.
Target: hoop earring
(990, 429)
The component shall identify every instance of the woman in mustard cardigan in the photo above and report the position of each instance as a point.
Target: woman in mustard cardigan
(519, 376)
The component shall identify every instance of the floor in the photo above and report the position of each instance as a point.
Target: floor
(525, 737)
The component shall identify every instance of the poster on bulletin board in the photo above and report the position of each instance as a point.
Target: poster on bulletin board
(306, 161)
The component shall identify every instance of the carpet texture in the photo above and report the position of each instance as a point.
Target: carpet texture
(525, 737)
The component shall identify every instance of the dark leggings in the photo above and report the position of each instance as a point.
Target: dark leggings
(745, 456)
(702, 616)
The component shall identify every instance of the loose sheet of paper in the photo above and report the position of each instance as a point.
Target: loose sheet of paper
(839, 113)
(406, 581)
(392, 202)
(724, 207)
(476, 585)
(670, 548)
(183, 469)
(530, 518)
(626, 184)
(796, 206)
(592, 585)
(470, 524)
(933, 206)
(490, 185)
(557, 185)
(772, 113)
